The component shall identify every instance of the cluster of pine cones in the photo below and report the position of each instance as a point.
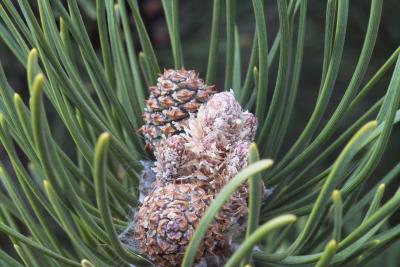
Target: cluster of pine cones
(200, 140)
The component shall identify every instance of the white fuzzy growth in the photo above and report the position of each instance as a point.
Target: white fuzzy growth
(214, 146)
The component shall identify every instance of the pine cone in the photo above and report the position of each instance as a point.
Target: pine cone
(167, 219)
(220, 124)
(178, 93)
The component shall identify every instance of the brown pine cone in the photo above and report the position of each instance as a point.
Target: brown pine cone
(169, 215)
(177, 94)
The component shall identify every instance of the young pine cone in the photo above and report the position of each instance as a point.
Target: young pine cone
(220, 124)
(212, 149)
(178, 93)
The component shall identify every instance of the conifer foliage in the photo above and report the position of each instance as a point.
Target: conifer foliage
(79, 204)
